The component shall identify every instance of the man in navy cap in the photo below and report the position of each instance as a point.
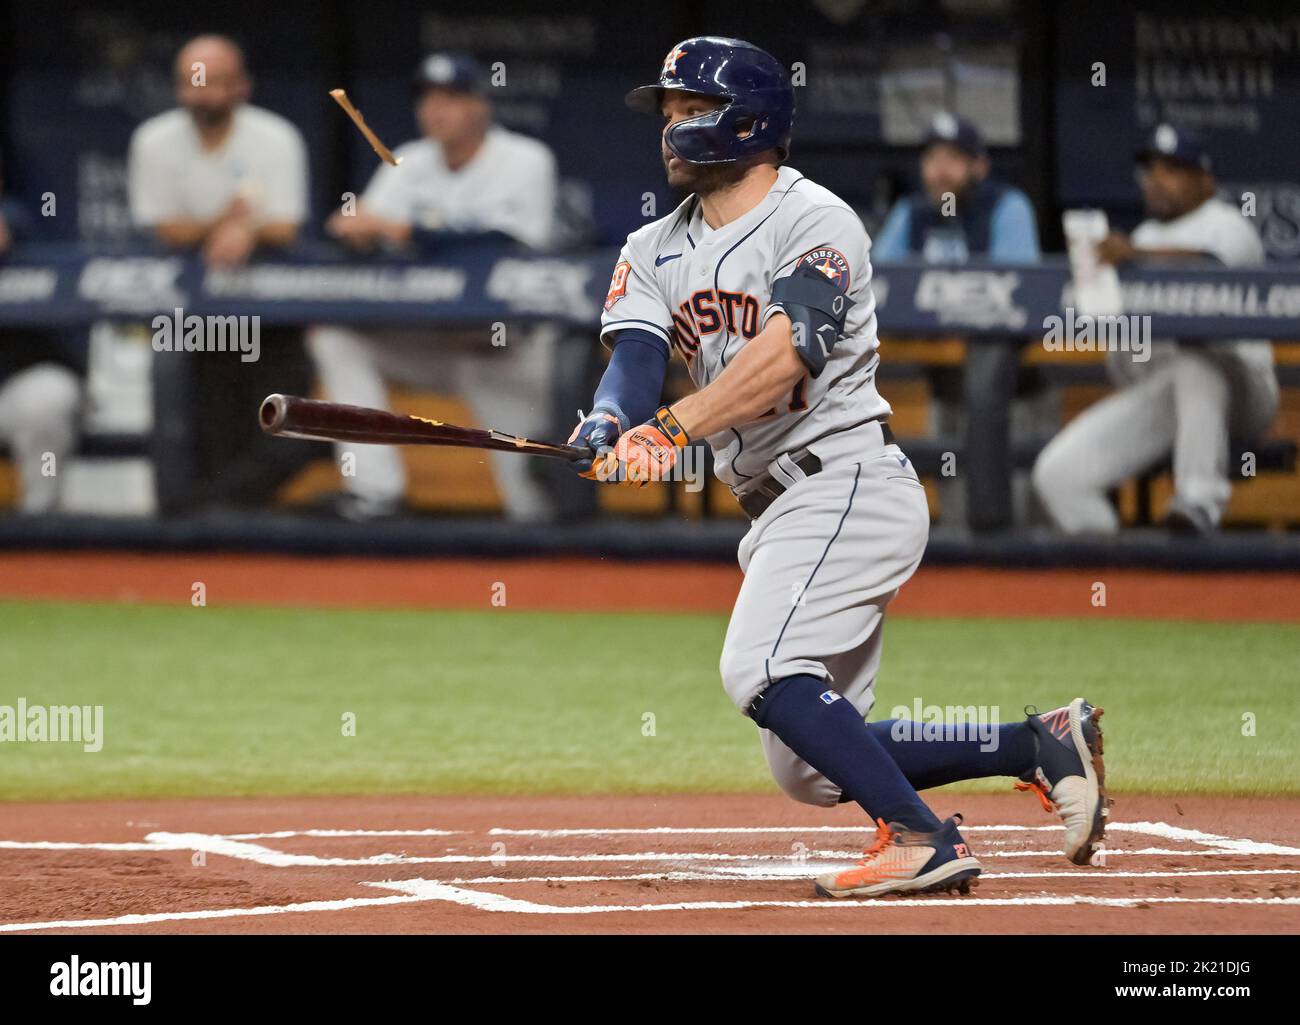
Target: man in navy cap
(1177, 182)
(464, 177)
(957, 214)
(1186, 399)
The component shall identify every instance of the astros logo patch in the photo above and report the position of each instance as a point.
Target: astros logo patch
(670, 62)
(830, 262)
(618, 284)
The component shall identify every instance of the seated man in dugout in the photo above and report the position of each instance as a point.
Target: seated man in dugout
(221, 177)
(465, 177)
(41, 375)
(958, 214)
(1190, 396)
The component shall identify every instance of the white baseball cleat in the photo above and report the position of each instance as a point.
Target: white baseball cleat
(1069, 775)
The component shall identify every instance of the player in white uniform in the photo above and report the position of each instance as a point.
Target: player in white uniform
(761, 282)
(1186, 399)
(465, 176)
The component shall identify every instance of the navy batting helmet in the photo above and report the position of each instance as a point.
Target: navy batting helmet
(759, 110)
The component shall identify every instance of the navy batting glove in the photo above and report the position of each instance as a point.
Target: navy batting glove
(597, 432)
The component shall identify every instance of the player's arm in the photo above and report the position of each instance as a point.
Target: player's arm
(186, 233)
(383, 213)
(637, 326)
(284, 204)
(183, 233)
(805, 320)
(758, 378)
(629, 392)
(279, 234)
(890, 243)
(1117, 248)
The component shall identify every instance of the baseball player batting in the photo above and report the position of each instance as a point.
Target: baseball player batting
(760, 281)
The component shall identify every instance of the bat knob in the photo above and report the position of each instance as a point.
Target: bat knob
(272, 414)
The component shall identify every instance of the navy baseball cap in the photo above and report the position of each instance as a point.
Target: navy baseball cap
(1175, 144)
(456, 71)
(955, 131)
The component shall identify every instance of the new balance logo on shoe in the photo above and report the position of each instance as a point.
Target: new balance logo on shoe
(1057, 723)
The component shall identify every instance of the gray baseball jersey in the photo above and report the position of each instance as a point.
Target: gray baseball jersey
(824, 560)
(707, 292)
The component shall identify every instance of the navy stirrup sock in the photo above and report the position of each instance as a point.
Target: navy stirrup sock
(930, 760)
(828, 733)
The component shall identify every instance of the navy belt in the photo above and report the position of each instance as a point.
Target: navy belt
(768, 489)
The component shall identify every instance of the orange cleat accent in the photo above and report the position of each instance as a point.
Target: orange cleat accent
(902, 861)
(1039, 790)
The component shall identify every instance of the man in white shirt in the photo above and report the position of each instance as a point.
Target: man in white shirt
(464, 176)
(222, 177)
(217, 172)
(1186, 399)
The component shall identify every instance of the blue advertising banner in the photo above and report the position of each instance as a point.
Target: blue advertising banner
(60, 285)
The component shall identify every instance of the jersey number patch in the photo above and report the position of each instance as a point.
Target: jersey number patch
(618, 284)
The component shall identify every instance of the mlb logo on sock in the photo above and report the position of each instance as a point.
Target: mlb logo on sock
(829, 696)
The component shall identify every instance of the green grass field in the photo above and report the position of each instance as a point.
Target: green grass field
(213, 701)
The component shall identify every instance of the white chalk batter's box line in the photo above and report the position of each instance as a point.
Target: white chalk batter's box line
(712, 867)
(239, 845)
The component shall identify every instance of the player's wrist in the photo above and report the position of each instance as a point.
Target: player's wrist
(671, 427)
(611, 409)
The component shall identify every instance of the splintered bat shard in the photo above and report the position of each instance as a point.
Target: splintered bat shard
(385, 154)
(287, 416)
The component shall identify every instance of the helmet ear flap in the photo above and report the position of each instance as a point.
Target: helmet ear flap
(754, 127)
(744, 122)
(747, 125)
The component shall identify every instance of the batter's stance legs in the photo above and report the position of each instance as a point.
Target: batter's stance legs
(827, 732)
(934, 761)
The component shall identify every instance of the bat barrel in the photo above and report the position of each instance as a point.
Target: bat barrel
(289, 416)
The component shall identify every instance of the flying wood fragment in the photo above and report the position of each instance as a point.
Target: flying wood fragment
(385, 154)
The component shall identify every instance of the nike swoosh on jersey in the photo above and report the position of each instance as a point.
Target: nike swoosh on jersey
(661, 260)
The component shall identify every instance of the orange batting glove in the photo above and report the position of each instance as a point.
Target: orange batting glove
(645, 453)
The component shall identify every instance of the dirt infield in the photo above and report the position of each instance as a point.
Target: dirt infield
(615, 864)
(643, 586)
(680, 864)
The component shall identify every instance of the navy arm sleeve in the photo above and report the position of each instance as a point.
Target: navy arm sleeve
(633, 382)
